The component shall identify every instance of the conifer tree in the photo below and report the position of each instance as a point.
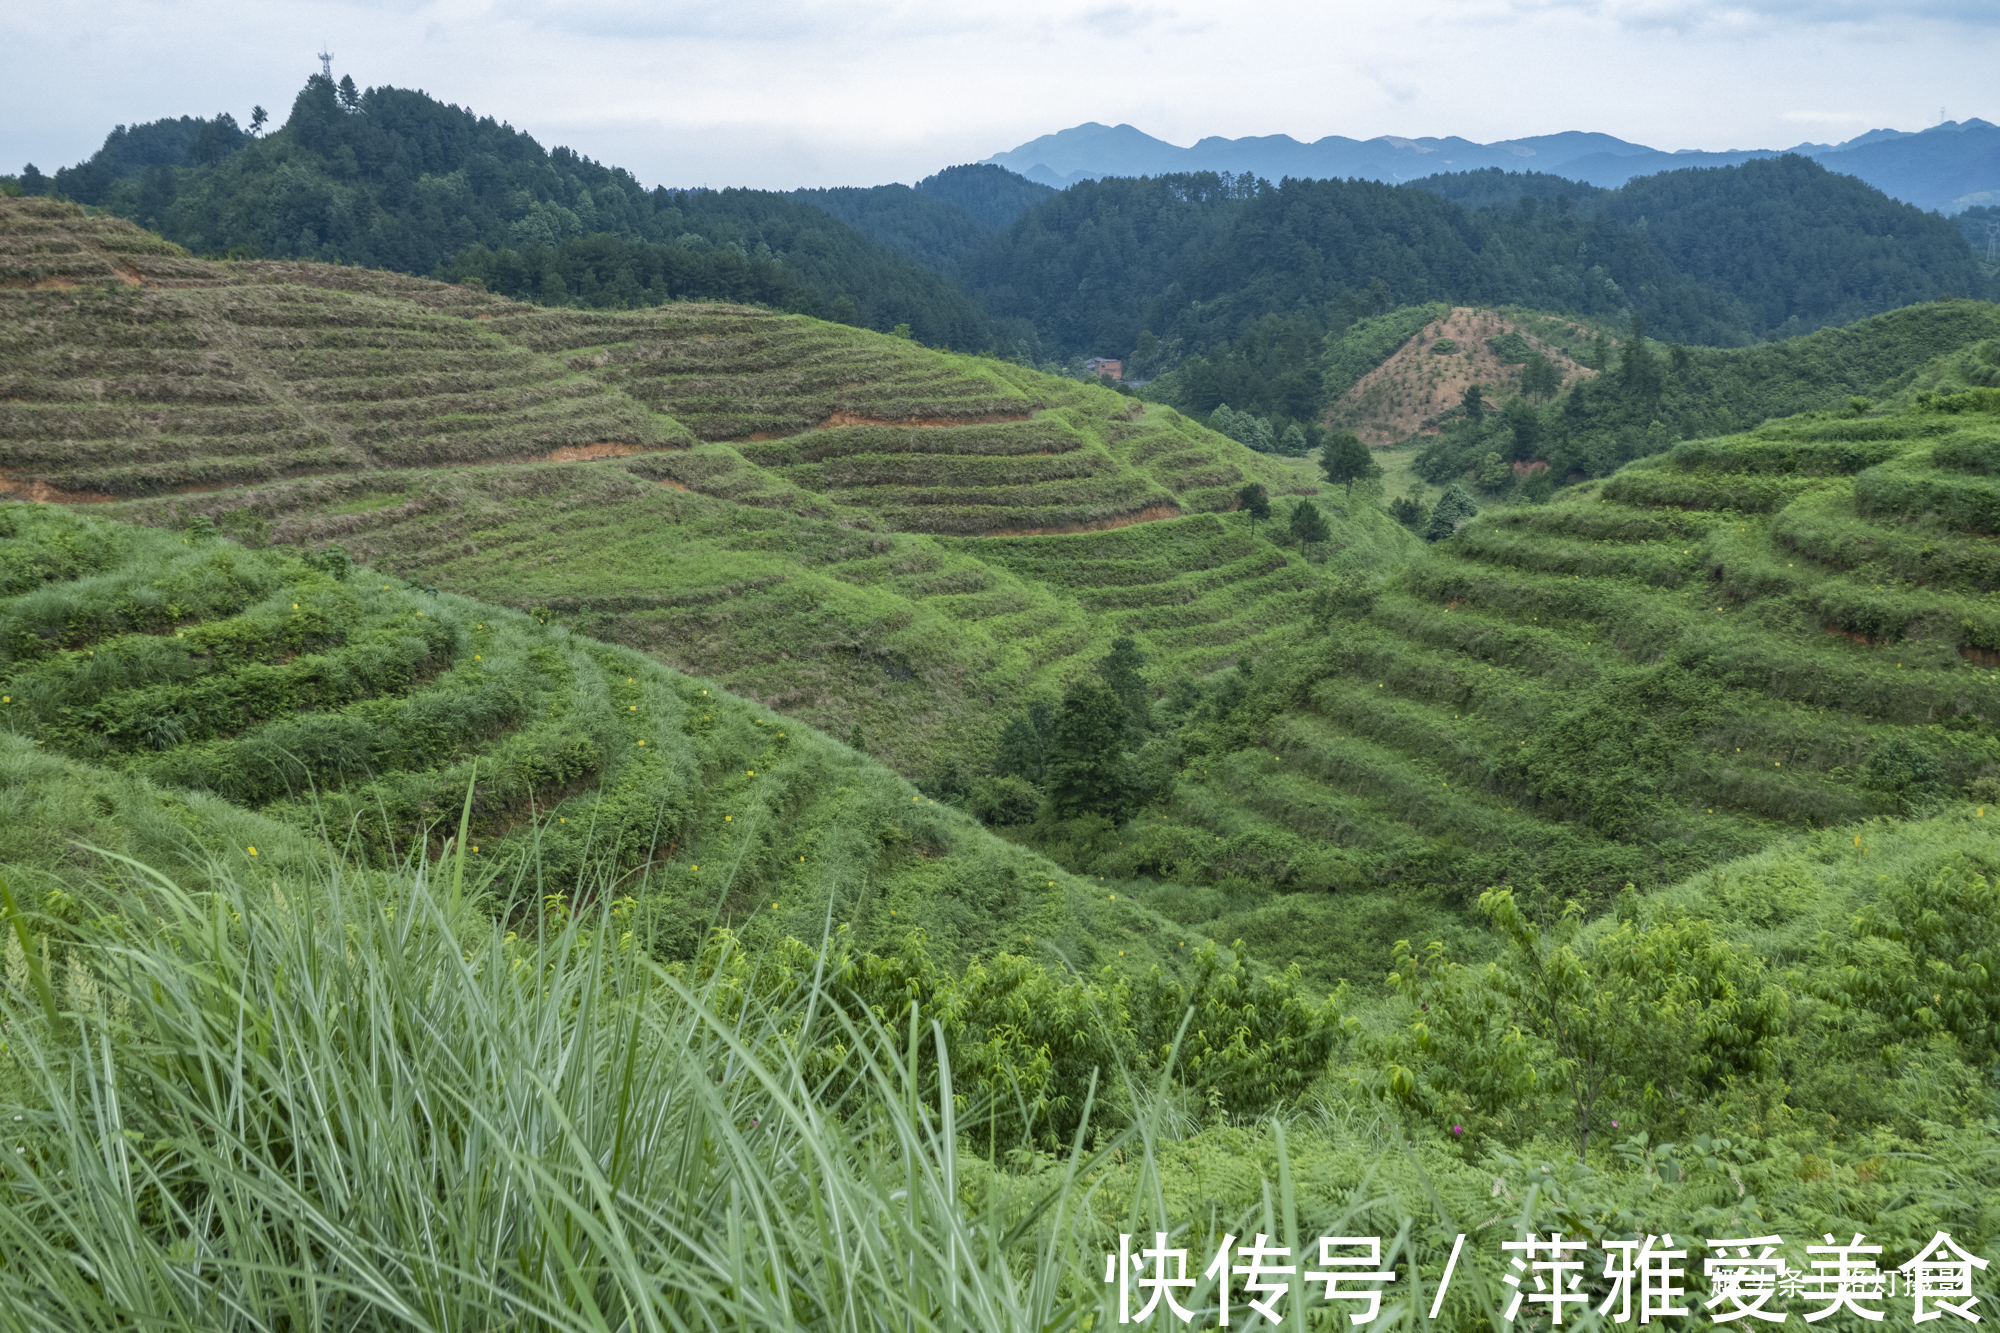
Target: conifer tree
(1024, 744)
(1637, 368)
(1453, 508)
(1252, 501)
(1345, 460)
(1088, 772)
(1308, 524)
(1121, 673)
(1539, 377)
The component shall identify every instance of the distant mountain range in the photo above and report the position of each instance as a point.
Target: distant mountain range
(1948, 168)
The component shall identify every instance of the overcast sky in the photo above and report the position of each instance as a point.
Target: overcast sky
(807, 93)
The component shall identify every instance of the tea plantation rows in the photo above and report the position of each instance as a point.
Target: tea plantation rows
(1791, 628)
(188, 675)
(122, 382)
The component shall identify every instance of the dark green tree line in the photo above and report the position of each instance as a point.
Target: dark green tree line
(390, 178)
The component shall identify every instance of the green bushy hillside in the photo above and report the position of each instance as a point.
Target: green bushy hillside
(926, 645)
(912, 549)
(163, 691)
(803, 512)
(1370, 376)
(395, 179)
(1719, 257)
(122, 383)
(1790, 1044)
(1786, 629)
(1754, 677)
(938, 218)
(1651, 395)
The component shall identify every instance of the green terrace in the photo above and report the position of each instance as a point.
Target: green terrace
(807, 513)
(229, 375)
(925, 644)
(1793, 628)
(241, 697)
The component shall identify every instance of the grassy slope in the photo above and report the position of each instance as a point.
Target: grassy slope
(1787, 629)
(1392, 767)
(1640, 634)
(1861, 1124)
(742, 532)
(172, 698)
(928, 644)
(227, 374)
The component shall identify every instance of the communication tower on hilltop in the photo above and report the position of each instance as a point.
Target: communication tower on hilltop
(326, 64)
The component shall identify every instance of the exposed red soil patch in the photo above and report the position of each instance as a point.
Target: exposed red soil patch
(1841, 631)
(1985, 657)
(583, 453)
(42, 493)
(1150, 514)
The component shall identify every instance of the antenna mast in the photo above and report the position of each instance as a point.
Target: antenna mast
(326, 65)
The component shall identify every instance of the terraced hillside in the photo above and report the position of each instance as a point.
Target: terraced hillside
(736, 492)
(1196, 593)
(165, 694)
(926, 644)
(129, 378)
(1792, 628)
(48, 246)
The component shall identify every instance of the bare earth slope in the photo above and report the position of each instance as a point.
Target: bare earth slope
(1420, 381)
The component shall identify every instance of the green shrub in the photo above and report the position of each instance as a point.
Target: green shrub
(1907, 491)
(1004, 799)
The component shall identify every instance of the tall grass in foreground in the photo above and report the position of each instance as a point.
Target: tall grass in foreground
(330, 1112)
(253, 1109)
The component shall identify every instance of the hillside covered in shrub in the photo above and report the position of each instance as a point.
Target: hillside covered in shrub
(394, 179)
(1790, 628)
(466, 746)
(1649, 395)
(802, 511)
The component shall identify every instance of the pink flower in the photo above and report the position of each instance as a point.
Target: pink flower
(1458, 1129)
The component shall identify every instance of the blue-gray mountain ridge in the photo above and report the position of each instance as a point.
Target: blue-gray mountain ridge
(1949, 167)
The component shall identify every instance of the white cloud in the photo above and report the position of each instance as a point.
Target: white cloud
(1824, 117)
(786, 23)
(819, 92)
(1767, 16)
(1125, 20)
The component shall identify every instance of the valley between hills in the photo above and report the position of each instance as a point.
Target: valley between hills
(665, 785)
